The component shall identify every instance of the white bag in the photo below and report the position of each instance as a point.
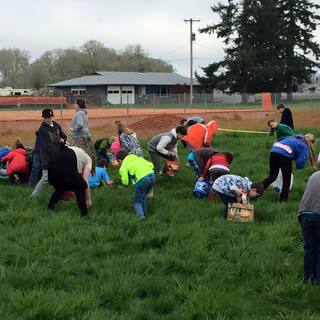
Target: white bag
(277, 185)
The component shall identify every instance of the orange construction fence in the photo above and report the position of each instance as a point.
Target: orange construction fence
(266, 101)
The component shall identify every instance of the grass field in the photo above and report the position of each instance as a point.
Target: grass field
(184, 262)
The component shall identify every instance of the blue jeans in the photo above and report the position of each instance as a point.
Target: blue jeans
(226, 200)
(310, 226)
(35, 174)
(143, 187)
(193, 164)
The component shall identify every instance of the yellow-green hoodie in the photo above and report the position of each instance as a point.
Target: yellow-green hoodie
(134, 168)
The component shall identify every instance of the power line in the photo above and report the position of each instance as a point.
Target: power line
(192, 38)
(173, 51)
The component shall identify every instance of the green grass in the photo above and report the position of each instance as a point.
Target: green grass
(184, 262)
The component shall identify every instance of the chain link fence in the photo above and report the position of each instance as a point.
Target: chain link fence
(126, 100)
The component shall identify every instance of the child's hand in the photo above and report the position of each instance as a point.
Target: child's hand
(239, 192)
(109, 182)
(201, 179)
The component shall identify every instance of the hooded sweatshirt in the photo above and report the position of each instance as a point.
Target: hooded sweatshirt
(49, 137)
(295, 148)
(79, 124)
(202, 155)
(134, 168)
(310, 202)
(200, 135)
(17, 161)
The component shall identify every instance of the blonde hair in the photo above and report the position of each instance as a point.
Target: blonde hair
(123, 129)
(311, 140)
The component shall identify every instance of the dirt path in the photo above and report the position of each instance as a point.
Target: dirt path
(145, 122)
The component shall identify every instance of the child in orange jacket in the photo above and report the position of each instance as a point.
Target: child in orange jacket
(200, 135)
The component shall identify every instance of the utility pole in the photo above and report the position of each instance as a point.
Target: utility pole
(192, 38)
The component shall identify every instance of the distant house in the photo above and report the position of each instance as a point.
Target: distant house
(313, 88)
(127, 87)
(8, 91)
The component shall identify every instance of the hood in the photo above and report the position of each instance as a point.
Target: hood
(301, 138)
(82, 110)
(174, 132)
(21, 151)
(44, 124)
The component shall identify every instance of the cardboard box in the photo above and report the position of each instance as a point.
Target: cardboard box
(240, 212)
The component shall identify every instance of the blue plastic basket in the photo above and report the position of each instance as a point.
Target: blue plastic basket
(201, 189)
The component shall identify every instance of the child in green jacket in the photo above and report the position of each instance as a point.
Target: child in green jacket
(138, 172)
(282, 131)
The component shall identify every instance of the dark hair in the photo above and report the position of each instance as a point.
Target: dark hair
(281, 106)
(182, 121)
(19, 145)
(228, 155)
(102, 162)
(181, 130)
(121, 154)
(259, 187)
(81, 103)
(269, 122)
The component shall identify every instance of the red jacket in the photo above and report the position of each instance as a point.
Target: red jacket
(200, 135)
(216, 159)
(16, 161)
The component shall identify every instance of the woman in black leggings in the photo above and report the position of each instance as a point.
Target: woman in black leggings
(69, 170)
(282, 153)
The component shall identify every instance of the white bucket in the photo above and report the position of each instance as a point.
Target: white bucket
(277, 185)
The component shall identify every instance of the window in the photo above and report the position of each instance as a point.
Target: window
(126, 91)
(113, 91)
(164, 91)
(78, 91)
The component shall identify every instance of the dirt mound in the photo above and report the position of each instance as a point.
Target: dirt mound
(161, 122)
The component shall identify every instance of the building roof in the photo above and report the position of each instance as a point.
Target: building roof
(126, 78)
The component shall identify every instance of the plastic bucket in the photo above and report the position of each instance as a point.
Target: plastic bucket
(172, 167)
(277, 185)
(201, 189)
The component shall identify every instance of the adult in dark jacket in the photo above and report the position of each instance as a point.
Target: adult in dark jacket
(51, 136)
(69, 170)
(286, 116)
(281, 156)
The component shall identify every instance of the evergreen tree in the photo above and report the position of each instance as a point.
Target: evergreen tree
(268, 45)
(236, 27)
(298, 21)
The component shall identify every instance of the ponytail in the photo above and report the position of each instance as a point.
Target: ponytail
(311, 139)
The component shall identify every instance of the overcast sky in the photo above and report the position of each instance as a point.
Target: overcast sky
(41, 25)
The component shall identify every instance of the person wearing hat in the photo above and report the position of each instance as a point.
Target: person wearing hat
(51, 136)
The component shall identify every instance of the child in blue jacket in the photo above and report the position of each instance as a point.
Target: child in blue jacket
(281, 155)
(101, 176)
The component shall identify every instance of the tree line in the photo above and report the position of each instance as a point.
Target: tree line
(269, 46)
(17, 71)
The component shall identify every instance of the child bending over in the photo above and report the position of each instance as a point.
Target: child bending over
(230, 188)
(217, 165)
(102, 177)
(138, 172)
(16, 163)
